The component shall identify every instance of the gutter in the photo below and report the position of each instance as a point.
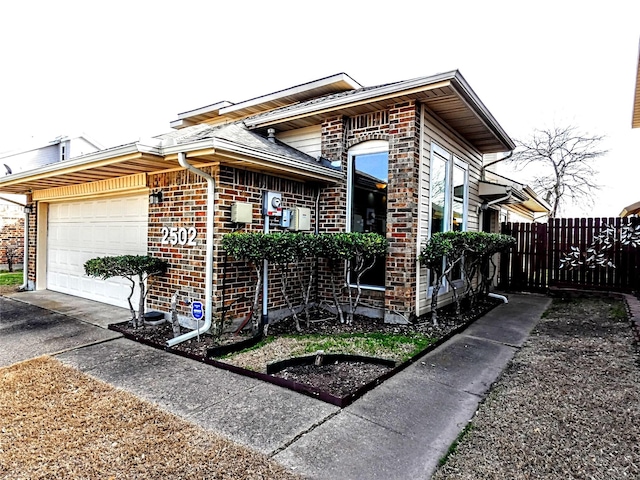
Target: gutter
(362, 95)
(485, 205)
(208, 308)
(81, 161)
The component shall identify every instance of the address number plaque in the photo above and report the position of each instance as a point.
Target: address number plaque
(179, 235)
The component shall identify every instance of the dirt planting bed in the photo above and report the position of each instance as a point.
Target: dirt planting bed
(336, 382)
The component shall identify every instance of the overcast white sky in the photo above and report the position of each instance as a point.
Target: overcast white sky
(121, 70)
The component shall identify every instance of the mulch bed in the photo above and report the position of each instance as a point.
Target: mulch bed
(337, 382)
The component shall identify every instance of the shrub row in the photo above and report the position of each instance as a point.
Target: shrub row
(360, 250)
(472, 252)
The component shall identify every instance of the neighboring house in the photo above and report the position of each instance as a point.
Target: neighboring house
(634, 209)
(402, 159)
(11, 231)
(40, 154)
(511, 201)
(31, 157)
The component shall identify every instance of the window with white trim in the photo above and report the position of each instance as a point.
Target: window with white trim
(449, 195)
(367, 179)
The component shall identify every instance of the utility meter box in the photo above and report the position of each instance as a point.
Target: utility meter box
(301, 218)
(241, 212)
(272, 204)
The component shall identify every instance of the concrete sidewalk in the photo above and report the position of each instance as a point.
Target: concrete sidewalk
(399, 430)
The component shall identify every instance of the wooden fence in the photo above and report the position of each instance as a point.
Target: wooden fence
(535, 262)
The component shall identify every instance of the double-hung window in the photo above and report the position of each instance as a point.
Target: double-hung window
(449, 195)
(367, 179)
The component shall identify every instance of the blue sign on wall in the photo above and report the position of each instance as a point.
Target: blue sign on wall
(196, 310)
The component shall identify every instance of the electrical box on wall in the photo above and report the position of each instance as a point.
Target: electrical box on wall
(272, 204)
(285, 221)
(301, 218)
(241, 212)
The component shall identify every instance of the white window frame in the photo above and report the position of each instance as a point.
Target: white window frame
(451, 161)
(364, 148)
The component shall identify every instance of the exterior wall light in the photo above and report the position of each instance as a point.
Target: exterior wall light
(155, 198)
(29, 209)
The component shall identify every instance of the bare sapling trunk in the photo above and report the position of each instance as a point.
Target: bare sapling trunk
(334, 293)
(175, 324)
(435, 289)
(285, 295)
(306, 298)
(134, 318)
(141, 301)
(361, 271)
(256, 300)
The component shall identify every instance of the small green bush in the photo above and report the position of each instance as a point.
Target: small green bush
(131, 267)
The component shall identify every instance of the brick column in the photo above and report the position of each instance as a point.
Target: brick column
(402, 210)
(333, 199)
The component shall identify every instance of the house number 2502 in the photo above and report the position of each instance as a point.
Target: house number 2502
(179, 235)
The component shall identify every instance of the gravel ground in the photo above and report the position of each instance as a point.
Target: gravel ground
(567, 407)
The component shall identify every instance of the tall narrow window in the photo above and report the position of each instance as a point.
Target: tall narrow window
(439, 181)
(449, 192)
(368, 176)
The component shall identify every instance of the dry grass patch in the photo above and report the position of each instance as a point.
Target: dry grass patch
(56, 422)
(567, 407)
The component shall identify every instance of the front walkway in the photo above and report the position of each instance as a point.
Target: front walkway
(399, 430)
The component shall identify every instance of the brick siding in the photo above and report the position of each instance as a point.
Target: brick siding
(12, 237)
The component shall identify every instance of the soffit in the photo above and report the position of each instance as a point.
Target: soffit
(451, 100)
(61, 175)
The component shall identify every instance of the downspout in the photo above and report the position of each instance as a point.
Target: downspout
(25, 252)
(482, 175)
(25, 255)
(182, 160)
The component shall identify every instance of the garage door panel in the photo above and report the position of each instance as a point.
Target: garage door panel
(88, 229)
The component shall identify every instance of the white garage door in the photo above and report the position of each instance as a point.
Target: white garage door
(87, 229)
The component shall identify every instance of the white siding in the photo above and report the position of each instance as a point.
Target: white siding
(79, 146)
(432, 130)
(307, 140)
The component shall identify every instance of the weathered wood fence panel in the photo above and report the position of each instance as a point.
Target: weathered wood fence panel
(534, 264)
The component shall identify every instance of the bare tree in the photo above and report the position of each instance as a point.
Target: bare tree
(564, 155)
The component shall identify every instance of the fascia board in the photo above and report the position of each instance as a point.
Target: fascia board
(82, 161)
(226, 146)
(391, 89)
(203, 110)
(235, 148)
(291, 91)
(207, 143)
(220, 145)
(474, 103)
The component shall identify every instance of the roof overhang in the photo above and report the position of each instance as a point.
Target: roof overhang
(501, 194)
(139, 157)
(447, 95)
(633, 209)
(230, 112)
